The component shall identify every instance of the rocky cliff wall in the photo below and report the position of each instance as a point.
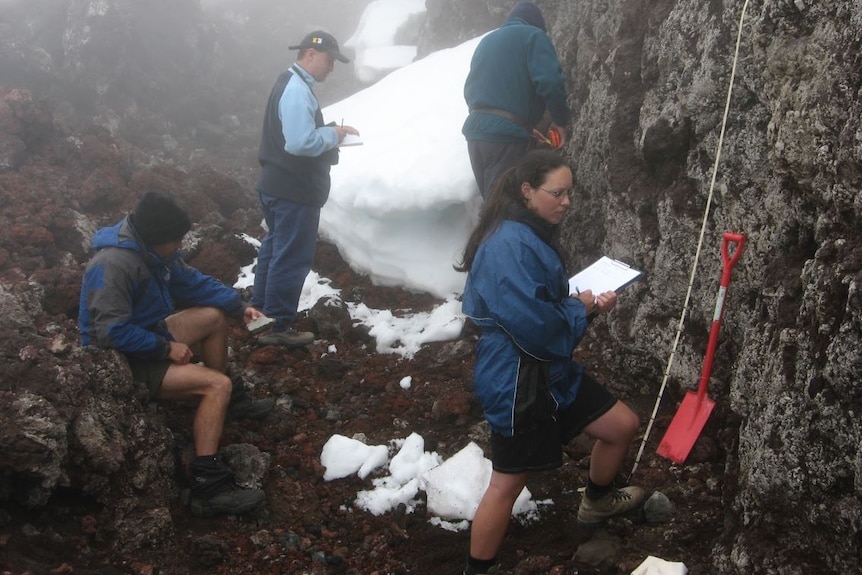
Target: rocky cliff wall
(648, 85)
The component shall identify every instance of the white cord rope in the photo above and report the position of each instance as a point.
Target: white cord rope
(699, 244)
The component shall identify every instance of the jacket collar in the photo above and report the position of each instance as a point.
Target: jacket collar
(308, 78)
(544, 229)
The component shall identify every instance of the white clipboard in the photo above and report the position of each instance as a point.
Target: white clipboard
(606, 274)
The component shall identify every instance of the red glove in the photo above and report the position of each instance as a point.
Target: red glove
(555, 138)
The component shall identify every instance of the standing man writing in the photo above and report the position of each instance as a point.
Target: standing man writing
(514, 77)
(296, 152)
(127, 303)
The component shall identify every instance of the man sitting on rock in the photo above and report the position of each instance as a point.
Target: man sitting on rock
(127, 303)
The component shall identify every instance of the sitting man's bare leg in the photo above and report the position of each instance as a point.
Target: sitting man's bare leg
(204, 326)
(214, 491)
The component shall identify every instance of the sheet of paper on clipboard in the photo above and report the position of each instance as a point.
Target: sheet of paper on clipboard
(606, 274)
(350, 140)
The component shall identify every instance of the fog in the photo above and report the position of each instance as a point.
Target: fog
(278, 24)
(284, 23)
(189, 73)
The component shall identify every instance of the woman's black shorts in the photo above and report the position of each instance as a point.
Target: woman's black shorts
(542, 448)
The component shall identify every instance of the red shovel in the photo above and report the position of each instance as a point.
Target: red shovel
(689, 420)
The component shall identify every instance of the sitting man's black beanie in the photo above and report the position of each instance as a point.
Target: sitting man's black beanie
(159, 220)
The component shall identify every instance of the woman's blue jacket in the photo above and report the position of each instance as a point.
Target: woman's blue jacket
(517, 292)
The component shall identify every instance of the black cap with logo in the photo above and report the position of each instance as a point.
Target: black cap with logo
(322, 42)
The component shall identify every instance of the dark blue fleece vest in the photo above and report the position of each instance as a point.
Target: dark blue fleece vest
(300, 179)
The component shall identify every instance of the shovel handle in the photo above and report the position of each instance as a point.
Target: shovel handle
(728, 259)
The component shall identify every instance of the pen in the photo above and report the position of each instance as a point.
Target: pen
(342, 122)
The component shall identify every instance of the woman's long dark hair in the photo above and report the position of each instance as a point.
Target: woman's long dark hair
(533, 168)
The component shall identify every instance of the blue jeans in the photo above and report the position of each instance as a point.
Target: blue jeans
(285, 257)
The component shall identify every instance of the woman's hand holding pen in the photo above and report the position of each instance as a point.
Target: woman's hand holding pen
(603, 303)
(606, 301)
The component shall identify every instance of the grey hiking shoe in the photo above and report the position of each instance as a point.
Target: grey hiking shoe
(248, 408)
(242, 406)
(233, 501)
(287, 337)
(214, 491)
(593, 513)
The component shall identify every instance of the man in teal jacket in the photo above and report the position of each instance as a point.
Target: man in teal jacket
(514, 77)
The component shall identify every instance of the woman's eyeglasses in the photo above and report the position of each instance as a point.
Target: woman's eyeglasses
(559, 193)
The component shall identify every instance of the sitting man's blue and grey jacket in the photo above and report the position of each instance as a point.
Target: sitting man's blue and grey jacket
(517, 293)
(128, 291)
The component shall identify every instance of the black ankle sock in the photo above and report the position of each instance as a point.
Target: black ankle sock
(595, 491)
(206, 458)
(478, 566)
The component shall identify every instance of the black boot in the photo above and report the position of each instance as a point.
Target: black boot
(215, 492)
(480, 566)
(242, 406)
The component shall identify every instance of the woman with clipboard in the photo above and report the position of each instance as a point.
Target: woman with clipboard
(535, 397)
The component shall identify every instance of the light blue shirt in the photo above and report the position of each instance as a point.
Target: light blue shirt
(296, 110)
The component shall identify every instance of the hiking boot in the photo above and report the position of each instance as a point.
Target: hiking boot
(242, 406)
(287, 337)
(214, 491)
(249, 408)
(233, 501)
(595, 512)
(471, 569)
